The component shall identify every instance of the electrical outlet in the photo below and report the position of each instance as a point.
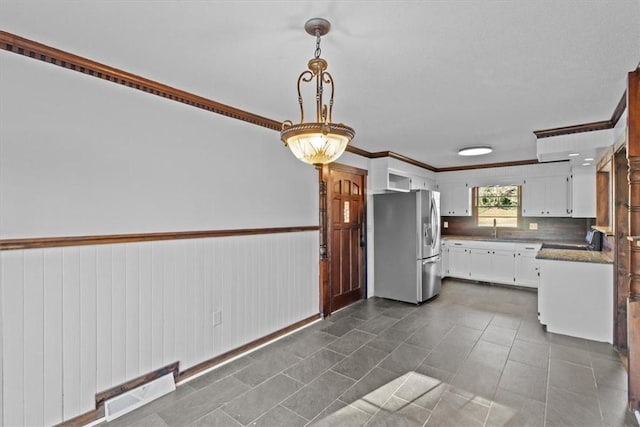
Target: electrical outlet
(533, 226)
(446, 224)
(217, 318)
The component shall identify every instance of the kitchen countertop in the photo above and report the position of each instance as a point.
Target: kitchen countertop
(548, 254)
(572, 255)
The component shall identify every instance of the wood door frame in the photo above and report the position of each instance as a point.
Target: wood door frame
(326, 228)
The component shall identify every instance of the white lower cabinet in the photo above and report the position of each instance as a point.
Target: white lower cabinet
(502, 266)
(480, 264)
(444, 254)
(487, 261)
(576, 299)
(527, 267)
(458, 261)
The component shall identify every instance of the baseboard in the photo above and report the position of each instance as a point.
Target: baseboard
(98, 413)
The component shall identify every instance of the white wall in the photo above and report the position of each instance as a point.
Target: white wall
(83, 156)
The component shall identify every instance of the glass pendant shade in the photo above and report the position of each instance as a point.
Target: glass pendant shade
(321, 141)
(317, 143)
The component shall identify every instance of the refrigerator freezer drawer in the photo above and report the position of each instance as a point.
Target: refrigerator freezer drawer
(431, 277)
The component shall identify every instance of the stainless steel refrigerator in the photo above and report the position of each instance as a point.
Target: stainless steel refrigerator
(407, 262)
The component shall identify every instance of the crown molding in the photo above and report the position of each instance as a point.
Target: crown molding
(22, 46)
(32, 49)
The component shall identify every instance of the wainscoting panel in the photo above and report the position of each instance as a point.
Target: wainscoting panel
(79, 320)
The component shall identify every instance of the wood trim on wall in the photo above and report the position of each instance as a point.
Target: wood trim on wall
(491, 165)
(587, 127)
(20, 45)
(53, 242)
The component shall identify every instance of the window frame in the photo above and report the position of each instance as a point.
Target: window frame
(474, 206)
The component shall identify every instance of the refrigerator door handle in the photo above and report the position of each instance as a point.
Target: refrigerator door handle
(431, 260)
(435, 220)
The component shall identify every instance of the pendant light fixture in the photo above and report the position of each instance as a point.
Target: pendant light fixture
(321, 141)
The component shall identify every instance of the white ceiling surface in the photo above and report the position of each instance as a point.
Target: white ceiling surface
(421, 78)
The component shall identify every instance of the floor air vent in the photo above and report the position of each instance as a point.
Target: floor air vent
(127, 402)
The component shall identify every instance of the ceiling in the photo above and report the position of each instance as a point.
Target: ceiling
(420, 78)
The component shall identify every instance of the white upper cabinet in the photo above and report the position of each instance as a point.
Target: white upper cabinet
(546, 196)
(389, 174)
(583, 192)
(455, 199)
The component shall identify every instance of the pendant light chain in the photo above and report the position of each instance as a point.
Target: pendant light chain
(318, 51)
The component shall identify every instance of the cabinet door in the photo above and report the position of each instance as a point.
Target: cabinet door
(527, 267)
(533, 197)
(583, 193)
(455, 199)
(480, 265)
(502, 266)
(458, 262)
(557, 196)
(444, 251)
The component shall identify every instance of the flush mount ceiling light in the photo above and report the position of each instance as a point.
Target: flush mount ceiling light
(321, 141)
(476, 150)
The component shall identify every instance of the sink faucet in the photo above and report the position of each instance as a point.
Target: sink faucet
(495, 229)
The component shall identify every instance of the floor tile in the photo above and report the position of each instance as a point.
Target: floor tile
(266, 367)
(399, 312)
(568, 409)
(310, 343)
(613, 404)
(350, 342)
(603, 350)
(525, 380)
(431, 334)
(422, 390)
(476, 319)
(201, 402)
(571, 377)
(339, 414)
(220, 373)
(610, 373)
(397, 412)
(404, 359)
(256, 402)
(342, 326)
(313, 366)
(375, 388)
(506, 321)
(134, 418)
(278, 416)
(486, 355)
(360, 362)
(216, 418)
(389, 340)
(530, 353)
(410, 323)
(378, 324)
(151, 420)
(568, 341)
(455, 411)
(499, 335)
(570, 354)
(512, 410)
(532, 332)
(313, 398)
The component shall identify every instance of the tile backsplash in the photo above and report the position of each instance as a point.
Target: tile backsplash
(553, 229)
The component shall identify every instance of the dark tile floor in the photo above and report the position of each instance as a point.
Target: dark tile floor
(474, 356)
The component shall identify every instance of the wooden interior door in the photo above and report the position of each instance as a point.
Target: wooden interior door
(346, 235)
